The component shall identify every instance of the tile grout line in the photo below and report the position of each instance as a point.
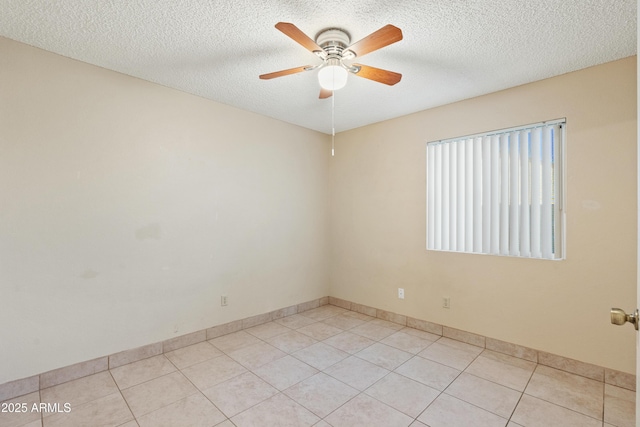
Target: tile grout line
(189, 380)
(452, 381)
(523, 390)
(337, 379)
(492, 382)
(400, 374)
(479, 407)
(178, 370)
(440, 393)
(363, 392)
(562, 406)
(604, 396)
(123, 398)
(40, 401)
(315, 321)
(253, 373)
(360, 392)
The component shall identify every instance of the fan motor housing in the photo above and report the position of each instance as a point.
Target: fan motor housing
(333, 41)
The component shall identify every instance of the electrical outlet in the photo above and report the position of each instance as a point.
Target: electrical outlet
(224, 300)
(401, 293)
(446, 302)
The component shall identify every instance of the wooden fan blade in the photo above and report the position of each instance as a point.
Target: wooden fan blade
(325, 93)
(298, 36)
(377, 74)
(377, 40)
(284, 72)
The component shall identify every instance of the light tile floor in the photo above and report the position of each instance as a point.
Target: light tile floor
(331, 367)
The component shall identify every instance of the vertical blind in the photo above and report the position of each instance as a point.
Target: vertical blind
(497, 193)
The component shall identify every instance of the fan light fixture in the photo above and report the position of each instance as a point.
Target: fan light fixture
(332, 77)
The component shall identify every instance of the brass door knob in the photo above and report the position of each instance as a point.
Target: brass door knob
(619, 317)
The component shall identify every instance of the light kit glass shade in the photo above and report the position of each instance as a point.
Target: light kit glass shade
(332, 77)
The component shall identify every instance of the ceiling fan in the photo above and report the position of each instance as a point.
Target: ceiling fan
(333, 47)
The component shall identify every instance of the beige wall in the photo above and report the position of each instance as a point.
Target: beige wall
(127, 209)
(378, 221)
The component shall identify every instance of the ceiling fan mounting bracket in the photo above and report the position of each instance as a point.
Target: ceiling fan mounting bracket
(333, 42)
(321, 54)
(352, 68)
(333, 36)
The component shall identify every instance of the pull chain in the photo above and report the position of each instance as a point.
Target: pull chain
(333, 123)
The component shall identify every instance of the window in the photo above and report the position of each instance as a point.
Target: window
(498, 193)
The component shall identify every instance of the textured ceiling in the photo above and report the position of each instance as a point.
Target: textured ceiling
(452, 49)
